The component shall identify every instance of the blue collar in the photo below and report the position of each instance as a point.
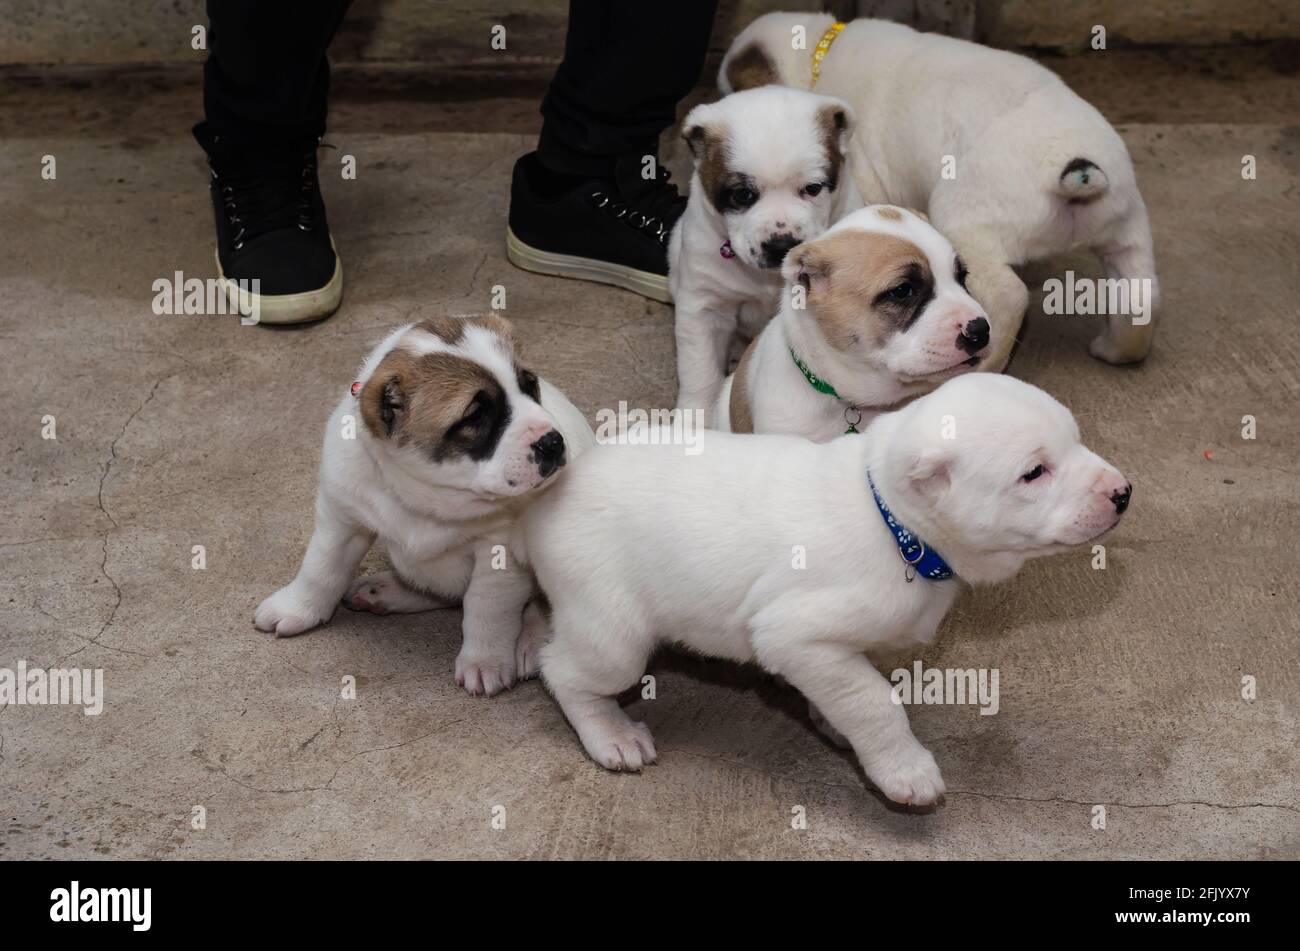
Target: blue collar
(918, 557)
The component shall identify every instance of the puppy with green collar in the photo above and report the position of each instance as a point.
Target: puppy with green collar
(874, 311)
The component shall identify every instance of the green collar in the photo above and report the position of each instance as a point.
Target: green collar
(821, 386)
(817, 383)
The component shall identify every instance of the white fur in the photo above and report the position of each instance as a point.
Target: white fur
(698, 551)
(441, 523)
(772, 135)
(868, 379)
(1010, 125)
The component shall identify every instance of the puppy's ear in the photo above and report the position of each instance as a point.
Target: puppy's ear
(808, 267)
(928, 471)
(836, 122)
(383, 404)
(697, 133)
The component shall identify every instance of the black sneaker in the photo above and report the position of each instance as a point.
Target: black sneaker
(614, 231)
(271, 227)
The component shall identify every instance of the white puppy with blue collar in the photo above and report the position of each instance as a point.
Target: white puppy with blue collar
(774, 550)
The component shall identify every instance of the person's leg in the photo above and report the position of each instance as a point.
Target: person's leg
(591, 202)
(625, 68)
(265, 88)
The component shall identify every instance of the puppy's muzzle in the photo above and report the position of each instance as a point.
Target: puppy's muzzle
(974, 336)
(776, 248)
(548, 453)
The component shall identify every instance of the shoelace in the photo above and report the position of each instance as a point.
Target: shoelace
(652, 208)
(270, 194)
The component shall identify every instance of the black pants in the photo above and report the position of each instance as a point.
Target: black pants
(627, 63)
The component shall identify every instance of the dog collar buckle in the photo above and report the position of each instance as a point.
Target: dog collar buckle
(925, 562)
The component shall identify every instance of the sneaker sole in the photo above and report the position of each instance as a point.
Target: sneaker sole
(286, 308)
(523, 255)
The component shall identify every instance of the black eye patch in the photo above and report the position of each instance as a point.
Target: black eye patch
(906, 297)
(736, 193)
(478, 431)
(960, 272)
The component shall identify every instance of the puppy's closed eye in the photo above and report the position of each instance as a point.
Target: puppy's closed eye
(1033, 473)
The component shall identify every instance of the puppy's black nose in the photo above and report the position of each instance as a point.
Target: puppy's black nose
(776, 248)
(1121, 498)
(974, 336)
(548, 452)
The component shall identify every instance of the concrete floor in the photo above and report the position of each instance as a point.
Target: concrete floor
(1120, 688)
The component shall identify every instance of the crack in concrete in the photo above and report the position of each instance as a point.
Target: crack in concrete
(103, 564)
(337, 769)
(474, 277)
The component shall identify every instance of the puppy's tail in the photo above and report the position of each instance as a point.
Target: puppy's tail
(1082, 181)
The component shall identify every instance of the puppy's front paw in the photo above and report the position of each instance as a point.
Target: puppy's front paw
(286, 613)
(620, 744)
(910, 777)
(484, 676)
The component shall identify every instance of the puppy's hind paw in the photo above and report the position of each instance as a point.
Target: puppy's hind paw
(384, 593)
(532, 638)
(911, 778)
(285, 614)
(620, 744)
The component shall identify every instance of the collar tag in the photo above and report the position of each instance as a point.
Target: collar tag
(918, 557)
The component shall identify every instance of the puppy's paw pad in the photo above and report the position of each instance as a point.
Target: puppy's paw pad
(371, 593)
(623, 745)
(284, 614)
(912, 780)
(484, 677)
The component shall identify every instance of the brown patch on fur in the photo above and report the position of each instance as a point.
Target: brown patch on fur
(710, 152)
(416, 397)
(450, 329)
(848, 271)
(920, 214)
(832, 121)
(742, 421)
(751, 68)
(891, 214)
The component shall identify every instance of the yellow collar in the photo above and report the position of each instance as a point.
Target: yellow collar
(822, 48)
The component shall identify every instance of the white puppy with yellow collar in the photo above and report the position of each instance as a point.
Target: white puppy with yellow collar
(1009, 163)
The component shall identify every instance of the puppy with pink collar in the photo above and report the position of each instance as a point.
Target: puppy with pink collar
(769, 174)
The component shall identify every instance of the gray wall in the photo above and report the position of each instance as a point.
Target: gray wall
(454, 34)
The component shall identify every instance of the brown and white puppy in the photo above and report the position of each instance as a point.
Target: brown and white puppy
(768, 175)
(874, 311)
(443, 441)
